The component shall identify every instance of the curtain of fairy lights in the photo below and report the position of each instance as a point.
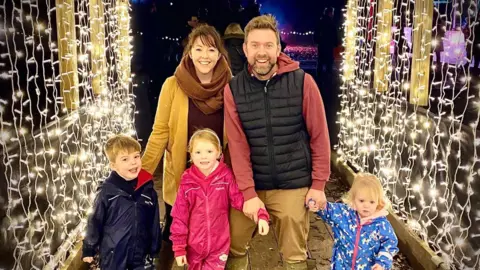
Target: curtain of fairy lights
(424, 147)
(65, 88)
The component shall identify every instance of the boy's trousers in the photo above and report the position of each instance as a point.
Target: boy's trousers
(290, 221)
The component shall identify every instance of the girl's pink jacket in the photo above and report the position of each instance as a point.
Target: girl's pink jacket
(200, 215)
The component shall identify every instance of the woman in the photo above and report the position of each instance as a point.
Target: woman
(191, 99)
(234, 37)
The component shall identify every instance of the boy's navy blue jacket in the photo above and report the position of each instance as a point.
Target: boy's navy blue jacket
(124, 226)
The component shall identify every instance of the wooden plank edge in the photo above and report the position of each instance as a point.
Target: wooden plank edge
(417, 251)
(74, 259)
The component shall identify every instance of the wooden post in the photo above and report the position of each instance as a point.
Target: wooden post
(422, 43)
(67, 53)
(123, 42)
(382, 51)
(350, 40)
(97, 37)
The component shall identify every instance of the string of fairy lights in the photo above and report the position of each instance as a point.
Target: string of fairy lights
(52, 156)
(296, 33)
(426, 156)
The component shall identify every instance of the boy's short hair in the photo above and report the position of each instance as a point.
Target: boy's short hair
(120, 143)
(263, 22)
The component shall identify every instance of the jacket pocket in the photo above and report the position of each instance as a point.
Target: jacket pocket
(168, 163)
(106, 259)
(308, 155)
(221, 196)
(147, 200)
(306, 150)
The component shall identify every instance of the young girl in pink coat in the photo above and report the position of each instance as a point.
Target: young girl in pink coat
(200, 229)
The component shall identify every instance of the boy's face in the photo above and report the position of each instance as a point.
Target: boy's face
(127, 165)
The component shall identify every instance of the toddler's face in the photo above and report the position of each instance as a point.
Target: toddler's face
(365, 204)
(127, 165)
(204, 155)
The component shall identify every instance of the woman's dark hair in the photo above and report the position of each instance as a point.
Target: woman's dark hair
(209, 37)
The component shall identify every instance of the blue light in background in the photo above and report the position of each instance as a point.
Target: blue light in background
(140, 1)
(272, 7)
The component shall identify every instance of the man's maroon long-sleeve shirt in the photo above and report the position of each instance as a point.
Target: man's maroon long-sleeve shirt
(314, 115)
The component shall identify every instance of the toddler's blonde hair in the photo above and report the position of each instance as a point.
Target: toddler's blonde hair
(369, 183)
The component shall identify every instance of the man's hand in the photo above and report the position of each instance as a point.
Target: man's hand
(88, 259)
(251, 207)
(318, 198)
(377, 267)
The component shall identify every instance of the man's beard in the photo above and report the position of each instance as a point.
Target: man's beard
(262, 71)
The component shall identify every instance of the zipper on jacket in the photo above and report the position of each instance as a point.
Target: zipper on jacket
(355, 247)
(208, 221)
(269, 137)
(135, 222)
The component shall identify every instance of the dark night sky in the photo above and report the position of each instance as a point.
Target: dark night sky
(300, 15)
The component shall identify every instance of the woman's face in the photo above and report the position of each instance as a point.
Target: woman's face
(204, 57)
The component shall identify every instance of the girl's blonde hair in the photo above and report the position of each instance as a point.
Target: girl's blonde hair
(234, 29)
(207, 135)
(369, 184)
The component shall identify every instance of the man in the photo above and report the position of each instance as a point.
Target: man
(279, 145)
(193, 22)
(251, 10)
(326, 39)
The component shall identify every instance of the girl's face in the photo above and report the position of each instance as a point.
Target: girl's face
(204, 155)
(204, 57)
(365, 204)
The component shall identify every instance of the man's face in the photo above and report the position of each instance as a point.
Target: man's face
(262, 51)
(193, 22)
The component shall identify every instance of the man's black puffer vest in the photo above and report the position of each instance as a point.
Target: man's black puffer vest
(272, 119)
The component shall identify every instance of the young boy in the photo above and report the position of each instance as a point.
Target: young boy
(124, 226)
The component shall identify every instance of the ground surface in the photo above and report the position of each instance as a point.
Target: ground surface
(264, 252)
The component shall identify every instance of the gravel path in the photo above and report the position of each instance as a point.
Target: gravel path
(264, 252)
